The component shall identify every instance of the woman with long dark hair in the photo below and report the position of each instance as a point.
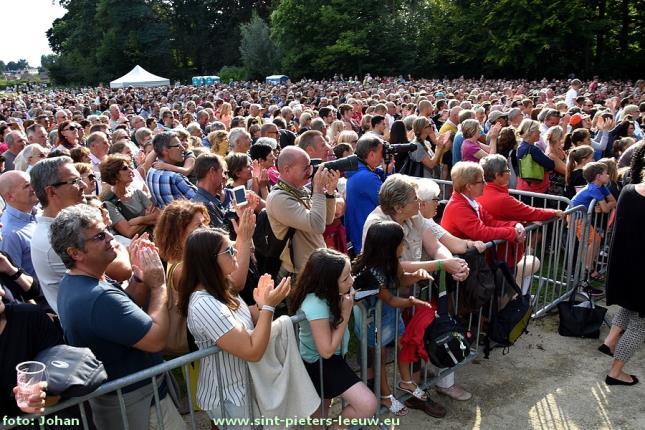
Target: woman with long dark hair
(378, 268)
(67, 136)
(324, 294)
(217, 315)
(398, 135)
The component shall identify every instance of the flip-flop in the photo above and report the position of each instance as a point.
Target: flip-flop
(417, 392)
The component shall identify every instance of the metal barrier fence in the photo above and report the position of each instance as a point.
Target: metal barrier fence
(559, 246)
(155, 374)
(474, 323)
(598, 232)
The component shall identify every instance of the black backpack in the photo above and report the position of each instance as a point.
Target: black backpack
(268, 247)
(446, 340)
(509, 323)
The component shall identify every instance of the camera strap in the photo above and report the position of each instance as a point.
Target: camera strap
(305, 201)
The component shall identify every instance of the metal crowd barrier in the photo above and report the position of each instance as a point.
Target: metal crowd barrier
(598, 231)
(473, 325)
(155, 374)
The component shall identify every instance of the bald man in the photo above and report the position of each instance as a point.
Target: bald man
(18, 219)
(291, 205)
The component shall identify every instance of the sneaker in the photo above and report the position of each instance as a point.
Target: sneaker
(455, 392)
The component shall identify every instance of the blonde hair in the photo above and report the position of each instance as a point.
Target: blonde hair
(526, 126)
(464, 173)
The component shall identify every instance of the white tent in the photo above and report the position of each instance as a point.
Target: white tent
(139, 77)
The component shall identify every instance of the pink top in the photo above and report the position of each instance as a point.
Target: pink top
(468, 150)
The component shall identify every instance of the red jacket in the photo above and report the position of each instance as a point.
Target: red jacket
(412, 347)
(503, 207)
(460, 219)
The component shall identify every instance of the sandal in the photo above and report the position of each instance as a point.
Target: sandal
(396, 408)
(417, 392)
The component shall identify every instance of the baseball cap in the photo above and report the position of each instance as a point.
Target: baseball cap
(495, 115)
(577, 118)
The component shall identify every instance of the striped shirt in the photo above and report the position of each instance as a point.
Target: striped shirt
(166, 186)
(208, 320)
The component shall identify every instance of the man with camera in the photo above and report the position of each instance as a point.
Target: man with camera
(363, 185)
(291, 205)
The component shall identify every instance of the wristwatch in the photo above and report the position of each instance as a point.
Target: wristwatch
(330, 196)
(16, 275)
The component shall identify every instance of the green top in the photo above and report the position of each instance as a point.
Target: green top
(315, 308)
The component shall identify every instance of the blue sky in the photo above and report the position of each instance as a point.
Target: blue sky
(24, 23)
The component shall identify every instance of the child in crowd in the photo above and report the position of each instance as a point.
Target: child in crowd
(378, 268)
(324, 294)
(597, 176)
(578, 158)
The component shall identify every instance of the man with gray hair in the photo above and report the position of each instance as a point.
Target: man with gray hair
(57, 185)
(165, 185)
(239, 140)
(15, 140)
(36, 133)
(97, 315)
(99, 146)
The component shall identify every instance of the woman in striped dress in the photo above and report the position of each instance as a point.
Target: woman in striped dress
(217, 315)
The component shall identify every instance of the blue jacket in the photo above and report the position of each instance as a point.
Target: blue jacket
(361, 196)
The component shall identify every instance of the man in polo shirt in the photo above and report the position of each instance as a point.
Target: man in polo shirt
(19, 218)
(164, 185)
(96, 314)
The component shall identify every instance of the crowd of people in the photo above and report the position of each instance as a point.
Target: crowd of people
(136, 221)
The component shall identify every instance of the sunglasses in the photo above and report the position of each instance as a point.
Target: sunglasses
(100, 236)
(91, 177)
(73, 181)
(71, 128)
(230, 250)
(124, 168)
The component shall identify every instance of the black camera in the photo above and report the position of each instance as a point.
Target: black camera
(342, 164)
(390, 149)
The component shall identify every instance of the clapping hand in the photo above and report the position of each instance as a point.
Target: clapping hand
(246, 226)
(267, 294)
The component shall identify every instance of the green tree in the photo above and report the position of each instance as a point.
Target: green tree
(260, 55)
(3, 66)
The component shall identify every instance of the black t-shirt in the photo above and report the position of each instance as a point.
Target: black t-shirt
(576, 180)
(27, 332)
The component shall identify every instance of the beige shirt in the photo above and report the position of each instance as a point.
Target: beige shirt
(284, 211)
(412, 233)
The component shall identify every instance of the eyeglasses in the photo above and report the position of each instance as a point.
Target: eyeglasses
(230, 250)
(73, 181)
(91, 177)
(100, 236)
(124, 168)
(174, 146)
(71, 128)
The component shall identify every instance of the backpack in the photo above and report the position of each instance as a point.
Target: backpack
(268, 247)
(509, 323)
(478, 288)
(446, 340)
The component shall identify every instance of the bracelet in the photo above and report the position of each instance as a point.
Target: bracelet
(440, 265)
(268, 308)
(16, 275)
